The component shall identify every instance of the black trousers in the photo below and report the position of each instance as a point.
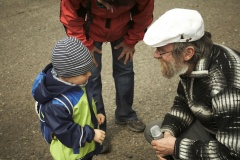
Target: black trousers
(195, 132)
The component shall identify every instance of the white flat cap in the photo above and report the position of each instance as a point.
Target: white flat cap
(176, 25)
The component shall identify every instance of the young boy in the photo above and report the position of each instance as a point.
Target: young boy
(67, 112)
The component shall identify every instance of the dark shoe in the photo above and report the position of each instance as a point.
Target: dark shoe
(133, 125)
(106, 146)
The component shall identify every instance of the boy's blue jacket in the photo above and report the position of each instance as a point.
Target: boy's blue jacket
(46, 89)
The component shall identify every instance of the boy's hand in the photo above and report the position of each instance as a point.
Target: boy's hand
(100, 118)
(99, 135)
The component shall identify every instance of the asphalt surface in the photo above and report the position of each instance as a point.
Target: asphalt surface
(28, 31)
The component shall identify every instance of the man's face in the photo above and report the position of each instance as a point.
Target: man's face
(117, 2)
(102, 3)
(78, 80)
(110, 4)
(170, 66)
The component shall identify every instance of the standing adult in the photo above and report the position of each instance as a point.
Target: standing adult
(122, 23)
(204, 120)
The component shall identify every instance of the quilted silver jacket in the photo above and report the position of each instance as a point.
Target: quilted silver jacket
(210, 94)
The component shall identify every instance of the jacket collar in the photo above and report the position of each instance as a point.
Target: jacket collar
(201, 69)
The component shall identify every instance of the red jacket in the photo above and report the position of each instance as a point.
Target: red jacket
(98, 31)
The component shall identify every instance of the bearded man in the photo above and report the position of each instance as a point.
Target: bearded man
(204, 122)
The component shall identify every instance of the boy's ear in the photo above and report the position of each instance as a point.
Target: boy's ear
(189, 52)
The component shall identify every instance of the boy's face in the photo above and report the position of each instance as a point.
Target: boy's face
(78, 80)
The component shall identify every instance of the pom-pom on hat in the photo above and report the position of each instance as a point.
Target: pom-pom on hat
(71, 58)
(175, 25)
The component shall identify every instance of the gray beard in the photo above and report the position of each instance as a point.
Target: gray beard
(172, 69)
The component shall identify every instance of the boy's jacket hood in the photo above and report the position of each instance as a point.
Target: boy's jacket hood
(46, 87)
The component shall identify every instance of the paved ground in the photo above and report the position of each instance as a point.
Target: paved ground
(28, 31)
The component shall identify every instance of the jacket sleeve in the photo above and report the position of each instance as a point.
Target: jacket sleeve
(226, 145)
(74, 25)
(69, 133)
(141, 21)
(180, 116)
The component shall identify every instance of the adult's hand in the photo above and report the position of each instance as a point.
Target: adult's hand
(159, 156)
(92, 51)
(126, 51)
(164, 146)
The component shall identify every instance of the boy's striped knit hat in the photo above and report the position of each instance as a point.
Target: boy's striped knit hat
(71, 58)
